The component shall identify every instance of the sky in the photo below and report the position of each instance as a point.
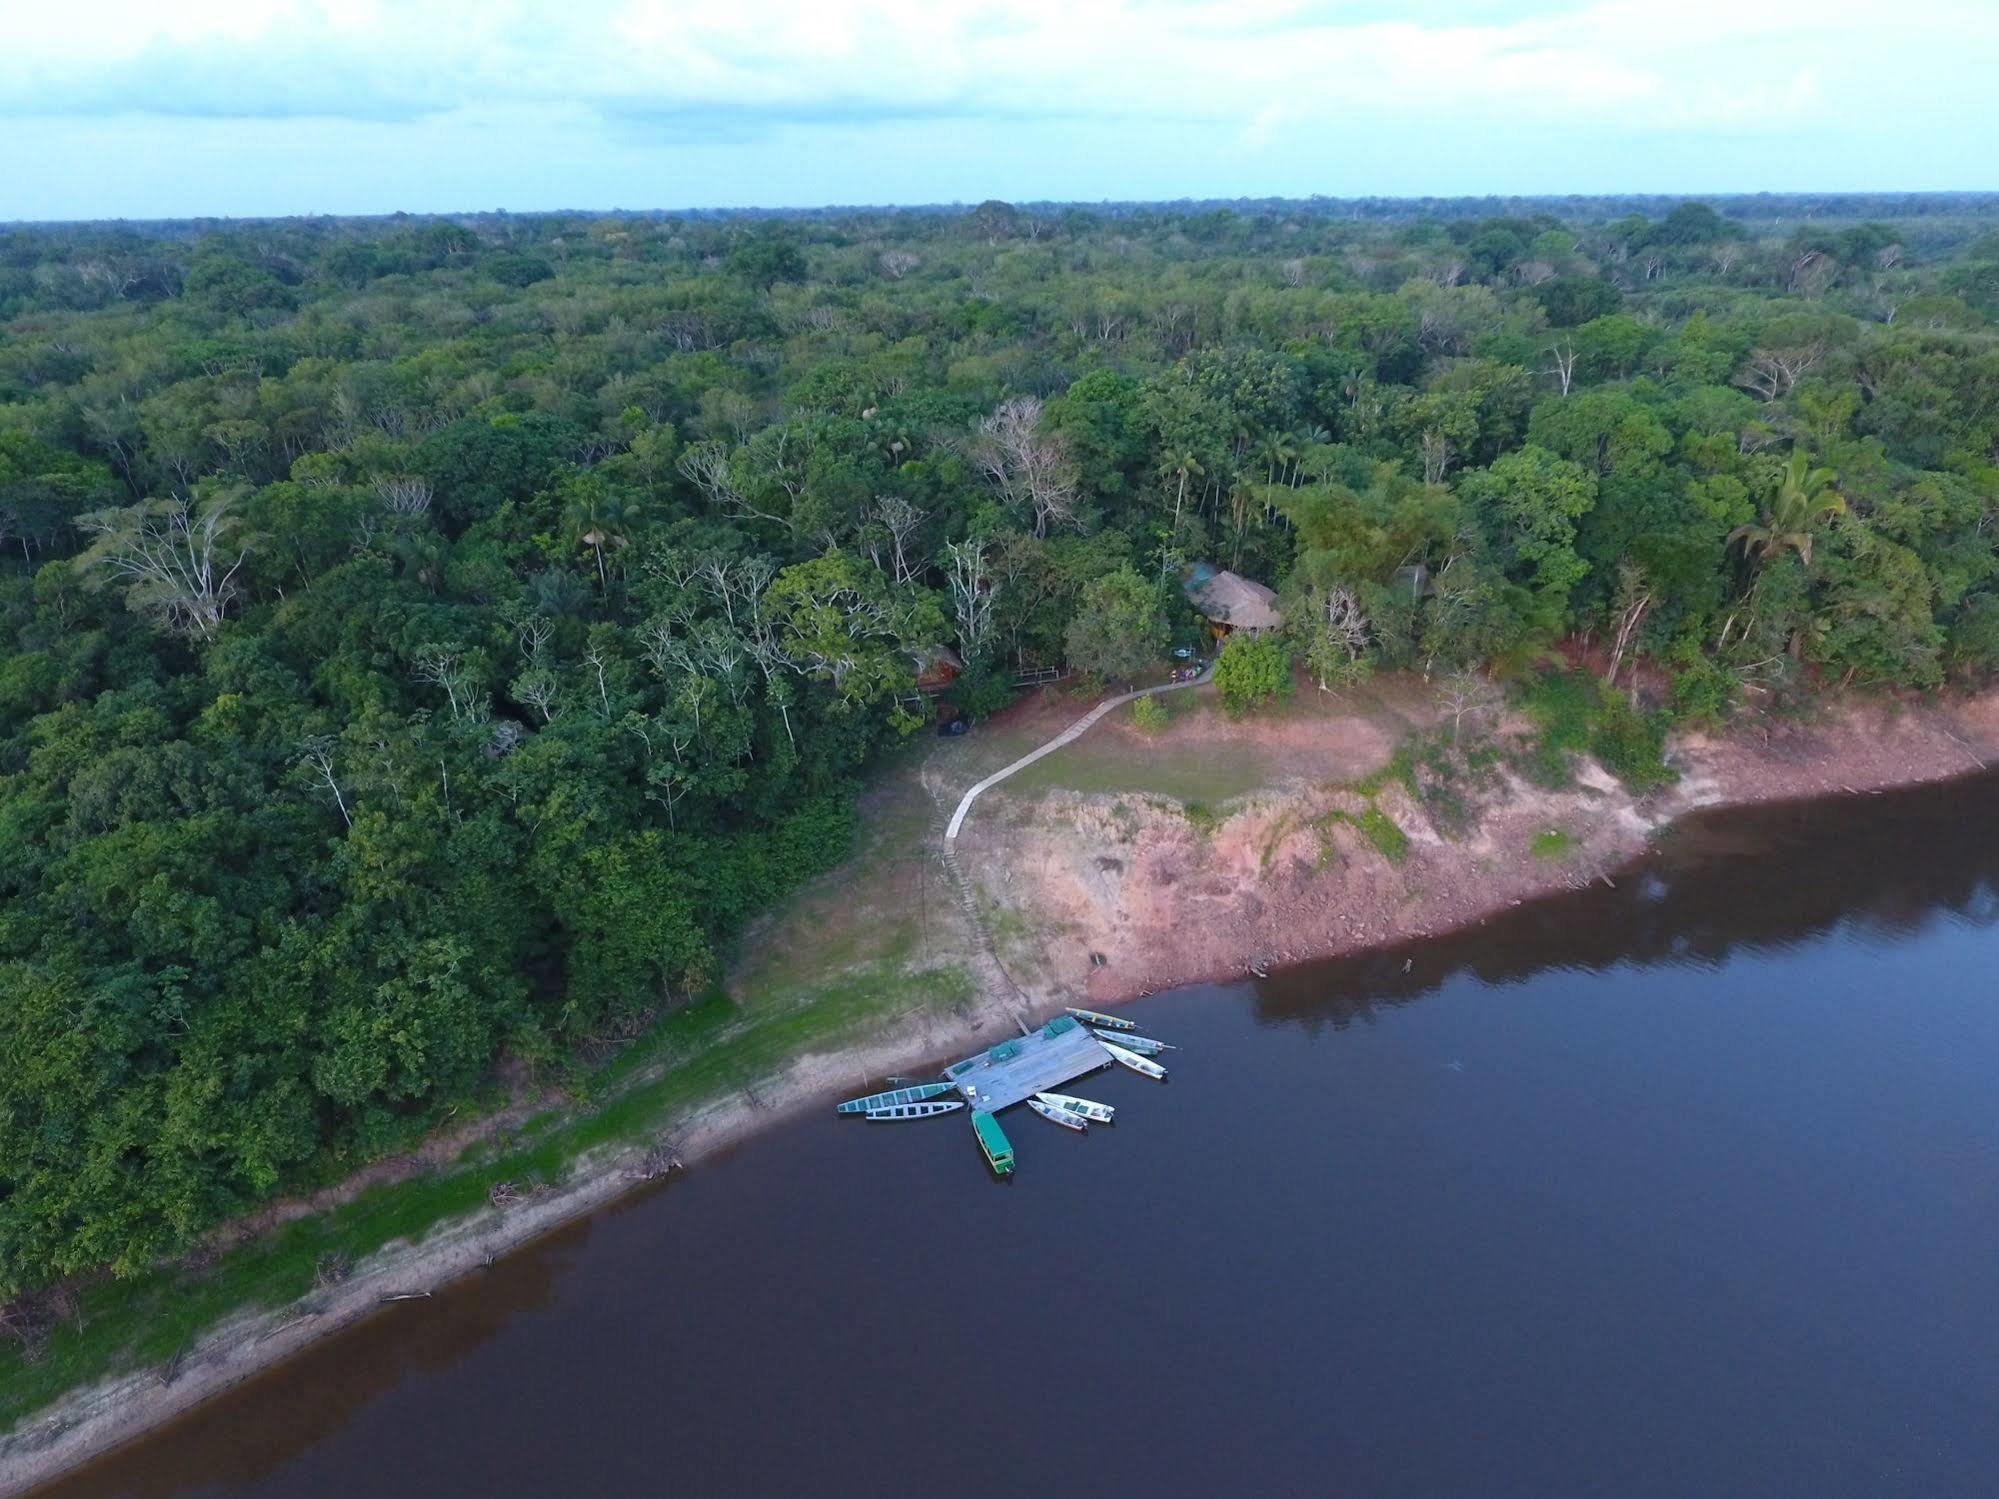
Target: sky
(181, 108)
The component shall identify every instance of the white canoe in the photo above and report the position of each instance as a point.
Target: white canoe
(1054, 1114)
(1145, 1046)
(917, 1110)
(1098, 1017)
(1133, 1060)
(1096, 1113)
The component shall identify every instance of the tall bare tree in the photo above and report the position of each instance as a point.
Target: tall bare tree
(1564, 366)
(706, 466)
(1466, 696)
(1634, 602)
(403, 494)
(176, 559)
(445, 666)
(1028, 463)
(1770, 374)
(315, 758)
(899, 520)
(973, 594)
(1337, 636)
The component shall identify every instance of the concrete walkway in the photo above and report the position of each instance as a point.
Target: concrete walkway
(1068, 736)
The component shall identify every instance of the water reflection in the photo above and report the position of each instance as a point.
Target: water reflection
(1445, 1228)
(1883, 867)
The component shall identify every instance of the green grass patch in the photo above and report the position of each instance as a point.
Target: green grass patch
(1183, 772)
(1373, 824)
(1574, 713)
(1553, 843)
(1274, 839)
(1443, 772)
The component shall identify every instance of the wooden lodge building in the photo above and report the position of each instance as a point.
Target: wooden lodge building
(1230, 602)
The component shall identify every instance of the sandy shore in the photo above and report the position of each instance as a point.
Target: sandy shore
(91, 1421)
(1121, 900)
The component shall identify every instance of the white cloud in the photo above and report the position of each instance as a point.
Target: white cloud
(124, 106)
(1258, 67)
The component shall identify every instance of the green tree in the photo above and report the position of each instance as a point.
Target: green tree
(1526, 505)
(1118, 628)
(1148, 714)
(1252, 670)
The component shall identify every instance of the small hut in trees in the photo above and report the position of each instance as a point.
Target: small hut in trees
(937, 666)
(1229, 602)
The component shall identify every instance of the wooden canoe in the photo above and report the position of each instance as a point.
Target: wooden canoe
(925, 1110)
(1133, 1060)
(1096, 1113)
(1057, 1115)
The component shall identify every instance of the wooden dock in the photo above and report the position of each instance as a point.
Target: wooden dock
(1038, 1062)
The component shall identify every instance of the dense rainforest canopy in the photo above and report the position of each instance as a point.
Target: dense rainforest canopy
(424, 642)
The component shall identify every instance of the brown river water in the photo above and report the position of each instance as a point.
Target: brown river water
(1686, 1187)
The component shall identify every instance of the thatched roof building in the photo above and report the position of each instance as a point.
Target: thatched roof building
(1233, 602)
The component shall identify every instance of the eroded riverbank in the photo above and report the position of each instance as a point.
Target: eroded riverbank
(1186, 903)
(1113, 891)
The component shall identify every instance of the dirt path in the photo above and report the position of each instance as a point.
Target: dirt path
(1069, 735)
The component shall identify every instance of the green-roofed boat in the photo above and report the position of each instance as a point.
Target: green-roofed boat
(993, 1141)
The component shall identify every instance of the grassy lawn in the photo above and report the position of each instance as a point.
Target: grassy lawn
(1196, 758)
(1103, 762)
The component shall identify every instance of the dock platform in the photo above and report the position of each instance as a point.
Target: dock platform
(1038, 1062)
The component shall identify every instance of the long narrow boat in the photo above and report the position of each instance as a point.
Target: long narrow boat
(893, 1097)
(917, 1110)
(1098, 1017)
(1145, 1046)
(1083, 1108)
(1133, 1060)
(1055, 1114)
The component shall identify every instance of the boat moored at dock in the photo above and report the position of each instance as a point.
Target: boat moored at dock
(1096, 1113)
(1145, 1046)
(1056, 1114)
(1133, 1060)
(1022, 1069)
(993, 1141)
(893, 1098)
(926, 1110)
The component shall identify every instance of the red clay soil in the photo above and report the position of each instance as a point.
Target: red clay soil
(1120, 896)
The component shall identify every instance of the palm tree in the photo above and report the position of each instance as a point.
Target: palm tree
(1279, 451)
(1311, 436)
(1183, 463)
(1241, 512)
(598, 520)
(1799, 500)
